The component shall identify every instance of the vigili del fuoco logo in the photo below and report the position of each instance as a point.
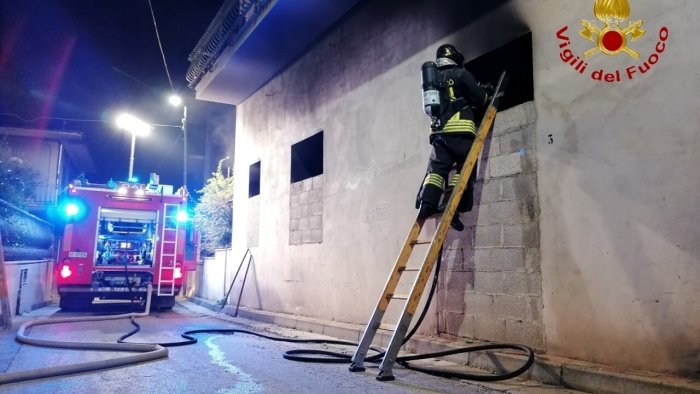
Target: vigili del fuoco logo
(611, 38)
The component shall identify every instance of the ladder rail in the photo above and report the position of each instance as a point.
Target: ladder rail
(386, 367)
(429, 261)
(390, 287)
(166, 287)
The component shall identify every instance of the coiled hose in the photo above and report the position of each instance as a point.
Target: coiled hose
(146, 352)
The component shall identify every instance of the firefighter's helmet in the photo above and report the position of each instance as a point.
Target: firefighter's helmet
(448, 55)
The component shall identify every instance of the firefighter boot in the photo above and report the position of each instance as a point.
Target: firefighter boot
(429, 200)
(456, 223)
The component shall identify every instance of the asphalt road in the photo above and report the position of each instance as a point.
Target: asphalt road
(237, 363)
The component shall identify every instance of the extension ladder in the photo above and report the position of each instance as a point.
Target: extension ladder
(412, 300)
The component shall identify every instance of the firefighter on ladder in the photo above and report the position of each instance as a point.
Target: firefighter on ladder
(453, 133)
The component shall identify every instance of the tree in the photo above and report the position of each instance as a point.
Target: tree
(214, 212)
(17, 182)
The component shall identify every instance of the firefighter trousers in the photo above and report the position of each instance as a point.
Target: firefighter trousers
(450, 150)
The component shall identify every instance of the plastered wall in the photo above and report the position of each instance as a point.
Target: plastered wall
(615, 171)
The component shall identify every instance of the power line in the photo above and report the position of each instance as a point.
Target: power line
(160, 45)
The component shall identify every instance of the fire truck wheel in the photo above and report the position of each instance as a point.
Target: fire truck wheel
(75, 302)
(165, 302)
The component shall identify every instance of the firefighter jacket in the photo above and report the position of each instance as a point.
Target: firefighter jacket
(464, 96)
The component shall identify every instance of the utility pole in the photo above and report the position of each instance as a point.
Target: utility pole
(4, 297)
(184, 142)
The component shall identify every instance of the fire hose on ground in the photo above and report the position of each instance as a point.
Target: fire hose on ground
(152, 351)
(146, 352)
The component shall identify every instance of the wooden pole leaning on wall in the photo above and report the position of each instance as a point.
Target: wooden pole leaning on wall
(4, 296)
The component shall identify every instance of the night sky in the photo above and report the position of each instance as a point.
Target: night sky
(85, 60)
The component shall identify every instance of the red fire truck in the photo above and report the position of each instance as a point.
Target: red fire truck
(118, 238)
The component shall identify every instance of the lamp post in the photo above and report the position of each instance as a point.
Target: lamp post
(135, 126)
(176, 101)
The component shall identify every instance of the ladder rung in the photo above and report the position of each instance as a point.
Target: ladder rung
(397, 296)
(406, 269)
(421, 242)
(388, 327)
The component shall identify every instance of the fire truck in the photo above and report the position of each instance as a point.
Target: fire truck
(119, 237)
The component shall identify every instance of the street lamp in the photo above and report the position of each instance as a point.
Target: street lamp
(176, 101)
(135, 126)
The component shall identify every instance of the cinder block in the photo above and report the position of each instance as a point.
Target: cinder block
(503, 166)
(316, 208)
(501, 212)
(295, 237)
(317, 235)
(294, 225)
(515, 283)
(456, 283)
(532, 259)
(316, 195)
(534, 309)
(295, 188)
(306, 236)
(526, 333)
(304, 223)
(488, 282)
(307, 184)
(521, 234)
(519, 187)
(512, 143)
(487, 191)
(479, 305)
(508, 306)
(490, 329)
(317, 182)
(491, 145)
(316, 222)
(499, 259)
(488, 236)
(295, 212)
(455, 322)
(304, 198)
(515, 118)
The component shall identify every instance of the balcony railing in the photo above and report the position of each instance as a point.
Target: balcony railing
(230, 26)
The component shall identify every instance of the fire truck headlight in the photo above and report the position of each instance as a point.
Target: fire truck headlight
(122, 190)
(66, 272)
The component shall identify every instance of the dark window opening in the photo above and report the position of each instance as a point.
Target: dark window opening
(516, 59)
(254, 180)
(307, 158)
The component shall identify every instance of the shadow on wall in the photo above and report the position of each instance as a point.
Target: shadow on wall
(376, 36)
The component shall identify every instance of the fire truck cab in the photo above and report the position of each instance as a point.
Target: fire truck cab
(118, 238)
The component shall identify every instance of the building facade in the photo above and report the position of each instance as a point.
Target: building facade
(583, 241)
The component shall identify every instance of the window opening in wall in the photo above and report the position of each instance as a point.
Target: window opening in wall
(254, 180)
(307, 158)
(514, 57)
(23, 274)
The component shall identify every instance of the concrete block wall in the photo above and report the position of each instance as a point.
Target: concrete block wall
(306, 211)
(491, 287)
